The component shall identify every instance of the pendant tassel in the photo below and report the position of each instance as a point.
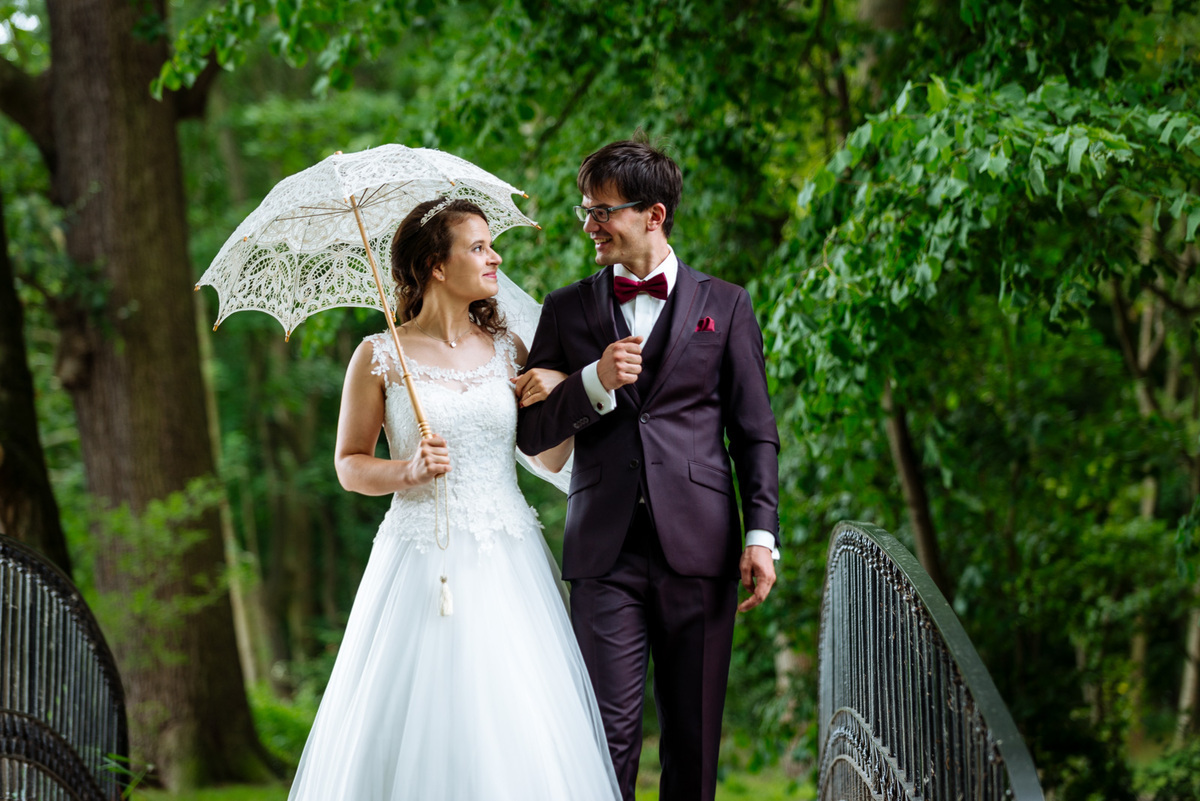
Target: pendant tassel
(445, 599)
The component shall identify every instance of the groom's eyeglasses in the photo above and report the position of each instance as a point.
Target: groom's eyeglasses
(600, 213)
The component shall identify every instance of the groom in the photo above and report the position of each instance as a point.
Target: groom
(663, 363)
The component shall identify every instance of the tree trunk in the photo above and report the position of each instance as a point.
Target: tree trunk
(912, 482)
(1189, 687)
(28, 511)
(883, 15)
(237, 592)
(137, 386)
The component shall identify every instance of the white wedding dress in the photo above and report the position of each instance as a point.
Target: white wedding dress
(490, 703)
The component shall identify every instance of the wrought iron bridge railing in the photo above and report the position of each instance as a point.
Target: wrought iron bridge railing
(62, 708)
(908, 710)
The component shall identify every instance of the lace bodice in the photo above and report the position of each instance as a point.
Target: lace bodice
(476, 412)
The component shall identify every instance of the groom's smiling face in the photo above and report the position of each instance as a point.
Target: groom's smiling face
(621, 240)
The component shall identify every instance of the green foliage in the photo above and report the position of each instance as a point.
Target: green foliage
(1187, 541)
(148, 550)
(283, 725)
(995, 210)
(1174, 776)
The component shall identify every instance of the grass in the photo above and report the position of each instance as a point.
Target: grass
(769, 784)
(239, 792)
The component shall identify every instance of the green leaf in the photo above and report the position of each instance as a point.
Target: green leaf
(996, 164)
(1037, 176)
(1112, 192)
(861, 138)
(1176, 209)
(824, 181)
(1156, 120)
(1193, 222)
(1100, 61)
(1078, 146)
(939, 98)
(902, 101)
(1175, 123)
(1189, 137)
(806, 195)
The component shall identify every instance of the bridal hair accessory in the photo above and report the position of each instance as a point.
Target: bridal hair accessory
(430, 214)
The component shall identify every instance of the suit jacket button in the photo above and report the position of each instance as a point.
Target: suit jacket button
(634, 464)
(580, 423)
(645, 418)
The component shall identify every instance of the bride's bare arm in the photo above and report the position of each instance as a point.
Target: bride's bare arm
(534, 386)
(359, 423)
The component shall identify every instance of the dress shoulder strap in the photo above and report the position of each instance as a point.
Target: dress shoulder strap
(383, 354)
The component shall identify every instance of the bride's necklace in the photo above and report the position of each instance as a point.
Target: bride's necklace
(451, 342)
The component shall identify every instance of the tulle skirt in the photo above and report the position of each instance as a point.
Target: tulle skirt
(491, 703)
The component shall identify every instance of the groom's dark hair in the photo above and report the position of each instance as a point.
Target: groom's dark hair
(639, 171)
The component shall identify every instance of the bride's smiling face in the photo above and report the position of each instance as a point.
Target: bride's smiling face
(469, 272)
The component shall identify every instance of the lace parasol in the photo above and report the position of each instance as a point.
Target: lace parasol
(305, 248)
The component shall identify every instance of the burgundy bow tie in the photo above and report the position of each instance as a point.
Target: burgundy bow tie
(626, 289)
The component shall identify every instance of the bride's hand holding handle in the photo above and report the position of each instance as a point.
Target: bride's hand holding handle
(431, 460)
(359, 425)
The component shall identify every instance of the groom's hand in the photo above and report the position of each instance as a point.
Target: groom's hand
(758, 575)
(621, 363)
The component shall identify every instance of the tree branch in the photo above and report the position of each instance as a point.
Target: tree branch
(25, 99)
(1165, 297)
(1146, 400)
(191, 102)
(568, 109)
(1124, 336)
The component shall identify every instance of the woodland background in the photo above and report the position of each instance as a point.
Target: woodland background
(969, 229)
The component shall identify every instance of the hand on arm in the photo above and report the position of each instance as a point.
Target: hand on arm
(359, 423)
(534, 386)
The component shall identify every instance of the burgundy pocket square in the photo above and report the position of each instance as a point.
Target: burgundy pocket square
(706, 325)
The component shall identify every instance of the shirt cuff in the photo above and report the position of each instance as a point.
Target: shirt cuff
(601, 399)
(764, 538)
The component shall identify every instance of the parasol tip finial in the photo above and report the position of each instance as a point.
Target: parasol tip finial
(215, 327)
(535, 225)
(196, 288)
(452, 183)
(525, 196)
(337, 152)
(287, 337)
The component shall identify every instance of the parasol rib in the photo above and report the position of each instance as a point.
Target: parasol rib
(422, 423)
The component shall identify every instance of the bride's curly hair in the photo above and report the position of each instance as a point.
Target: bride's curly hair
(417, 248)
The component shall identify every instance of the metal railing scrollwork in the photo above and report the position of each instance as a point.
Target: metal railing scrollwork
(62, 707)
(907, 709)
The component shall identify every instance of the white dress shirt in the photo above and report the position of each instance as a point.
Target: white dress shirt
(641, 313)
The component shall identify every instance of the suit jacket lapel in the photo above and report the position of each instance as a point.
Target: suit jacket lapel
(691, 290)
(599, 311)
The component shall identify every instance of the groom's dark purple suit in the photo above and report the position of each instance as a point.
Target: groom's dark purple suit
(653, 534)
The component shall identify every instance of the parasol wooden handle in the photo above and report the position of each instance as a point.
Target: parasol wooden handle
(422, 423)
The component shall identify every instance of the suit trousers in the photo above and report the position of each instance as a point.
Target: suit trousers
(643, 610)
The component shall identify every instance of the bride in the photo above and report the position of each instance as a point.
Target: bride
(491, 701)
